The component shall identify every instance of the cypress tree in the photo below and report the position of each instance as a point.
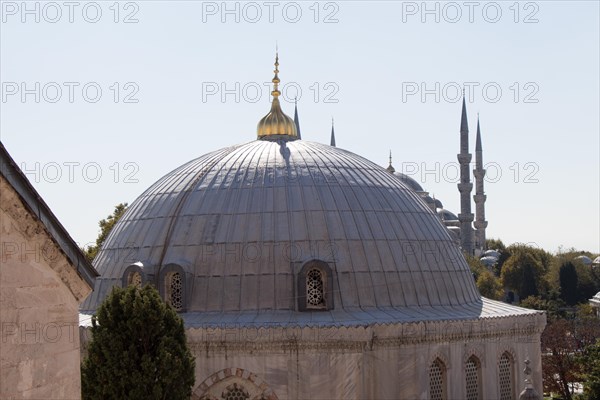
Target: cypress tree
(567, 276)
(138, 349)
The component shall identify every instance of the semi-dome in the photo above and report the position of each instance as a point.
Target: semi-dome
(240, 223)
(409, 181)
(446, 215)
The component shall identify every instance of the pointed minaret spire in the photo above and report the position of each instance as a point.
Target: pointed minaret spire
(480, 197)
(296, 119)
(390, 168)
(332, 141)
(478, 140)
(465, 186)
(464, 128)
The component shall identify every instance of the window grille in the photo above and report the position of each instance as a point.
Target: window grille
(315, 295)
(135, 279)
(437, 380)
(175, 290)
(235, 392)
(505, 377)
(472, 374)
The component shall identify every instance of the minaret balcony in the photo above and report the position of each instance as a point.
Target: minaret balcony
(479, 173)
(480, 224)
(465, 217)
(464, 158)
(465, 187)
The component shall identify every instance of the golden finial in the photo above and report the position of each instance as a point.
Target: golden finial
(276, 125)
(276, 92)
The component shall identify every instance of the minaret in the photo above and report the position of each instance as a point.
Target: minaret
(465, 186)
(296, 119)
(332, 140)
(480, 197)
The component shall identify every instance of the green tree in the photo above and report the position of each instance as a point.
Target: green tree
(489, 286)
(554, 306)
(567, 276)
(498, 245)
(138, 349)
(523, 272)
(559, 363)
(590, 361)
(588, 279)
(564, 341)
(475, 265)
(106, 226)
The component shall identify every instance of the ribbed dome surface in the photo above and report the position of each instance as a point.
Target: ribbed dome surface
(243, 220)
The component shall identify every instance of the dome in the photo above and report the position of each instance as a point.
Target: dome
(492, 253)
(240, 223)
(584, 259)
(410, 182)
(489, 261)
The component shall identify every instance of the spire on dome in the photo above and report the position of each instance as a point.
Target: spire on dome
(390, 168)
(332, 140)
(276, 125)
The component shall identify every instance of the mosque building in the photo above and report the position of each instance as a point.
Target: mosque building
(304, 271)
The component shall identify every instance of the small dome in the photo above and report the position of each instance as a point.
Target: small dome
(438, 204)
(584, 259)
(488, 261)
(492, 253)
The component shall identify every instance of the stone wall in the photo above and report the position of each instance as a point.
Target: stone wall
(371, 362)
(39, 296)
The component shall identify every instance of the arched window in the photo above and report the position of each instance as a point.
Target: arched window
(315, 286)
(437, 380)
(135, 279)
(235, 392)
(505, 376)
(174, 290)
(135, 274)
(473, 378)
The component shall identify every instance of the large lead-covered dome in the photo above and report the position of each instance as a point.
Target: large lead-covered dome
(241, 223)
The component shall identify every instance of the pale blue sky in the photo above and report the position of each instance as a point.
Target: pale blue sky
(368, 61)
